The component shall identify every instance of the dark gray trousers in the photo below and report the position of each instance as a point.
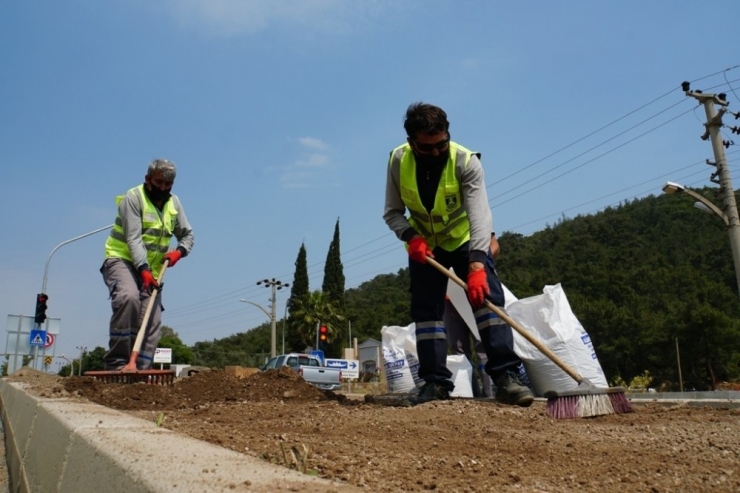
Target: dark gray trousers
(428, 289)
(129, 302)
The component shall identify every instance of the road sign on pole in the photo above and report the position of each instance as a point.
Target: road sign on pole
(49, 340)
(163, 355)
(350, 367)
(38, 337)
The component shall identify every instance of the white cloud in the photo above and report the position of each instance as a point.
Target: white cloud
(306, 169)
(313, 143)
(231, 17)
(313, 161)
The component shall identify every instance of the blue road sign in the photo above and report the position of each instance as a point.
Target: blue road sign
(340, 364)
(319, 354)
(38, 338)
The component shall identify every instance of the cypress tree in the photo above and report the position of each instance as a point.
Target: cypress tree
(333, 284)
(299, 287)
(299, 291)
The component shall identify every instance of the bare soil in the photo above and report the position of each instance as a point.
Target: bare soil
(460, 445)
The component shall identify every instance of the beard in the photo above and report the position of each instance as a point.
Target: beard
(156, 194)
(429, 161)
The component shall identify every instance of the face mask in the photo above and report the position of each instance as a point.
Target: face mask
(158, 195)
(432, 161)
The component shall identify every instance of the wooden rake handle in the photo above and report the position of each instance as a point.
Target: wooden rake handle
(506, 318)
(149, 307)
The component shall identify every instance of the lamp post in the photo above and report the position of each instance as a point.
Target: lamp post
(46, 268)
(705, 205)
(285, 317)
(729, 212)
(46, 275)
(275, 285)
(83, 350)
(71, 365)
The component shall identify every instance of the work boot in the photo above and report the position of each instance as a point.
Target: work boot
(509, 390)
(429, 392)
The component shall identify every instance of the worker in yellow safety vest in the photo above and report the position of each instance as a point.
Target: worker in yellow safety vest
(441, 185)
(135, 251)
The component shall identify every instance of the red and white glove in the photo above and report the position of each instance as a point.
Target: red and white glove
(419, 250)
(478, 287)
(173, 257)
(148, 281)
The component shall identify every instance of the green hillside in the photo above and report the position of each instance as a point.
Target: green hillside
(638, 276)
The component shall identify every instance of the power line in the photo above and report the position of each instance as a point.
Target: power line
(220, 300)
(592, 159)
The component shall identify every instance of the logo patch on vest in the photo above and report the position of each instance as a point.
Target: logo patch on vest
(451, 202)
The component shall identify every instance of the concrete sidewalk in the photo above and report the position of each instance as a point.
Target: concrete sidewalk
(63, 445)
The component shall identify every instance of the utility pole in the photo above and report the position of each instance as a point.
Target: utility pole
(275, 285)
(712, 133)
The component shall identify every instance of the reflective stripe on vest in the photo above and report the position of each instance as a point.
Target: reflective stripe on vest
(446, 225)
(156, 232)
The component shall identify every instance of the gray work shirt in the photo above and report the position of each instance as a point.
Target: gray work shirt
(474, 200)
(129, 210)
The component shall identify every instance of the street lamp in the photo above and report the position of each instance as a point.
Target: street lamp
(275, 285)
(71, 365)
(46, 267)
(705, 205)
(83, 350)
(288, 302)
(46, 274)
(727, 191)
(702, 204)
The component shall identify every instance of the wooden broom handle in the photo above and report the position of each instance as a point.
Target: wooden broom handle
(524, 333)
(152, 300)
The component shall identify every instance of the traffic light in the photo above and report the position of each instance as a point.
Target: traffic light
(323, 338)
(40, 316)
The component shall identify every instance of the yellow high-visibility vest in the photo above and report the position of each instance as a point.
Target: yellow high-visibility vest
(446, 225)
(156, 232)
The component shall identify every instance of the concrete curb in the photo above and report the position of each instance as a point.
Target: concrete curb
(716, 400)
(62, 445)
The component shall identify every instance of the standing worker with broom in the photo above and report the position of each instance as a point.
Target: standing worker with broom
(135, 252)
(441, 184)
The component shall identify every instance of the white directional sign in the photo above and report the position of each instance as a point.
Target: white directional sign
(163, 355)
(350, 367)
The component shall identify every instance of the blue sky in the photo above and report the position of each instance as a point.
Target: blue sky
(280, 116)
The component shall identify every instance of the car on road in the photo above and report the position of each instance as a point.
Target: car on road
(310, 368)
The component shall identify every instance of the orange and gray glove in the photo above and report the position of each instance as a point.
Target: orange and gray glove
(419, 250)
(148, 281)
(173, 257)
(478, 288)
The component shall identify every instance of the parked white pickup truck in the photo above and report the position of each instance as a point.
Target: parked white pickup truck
(309, 367)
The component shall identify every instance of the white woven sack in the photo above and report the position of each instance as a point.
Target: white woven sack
(400, 360)
(549, 318)
(462, 375)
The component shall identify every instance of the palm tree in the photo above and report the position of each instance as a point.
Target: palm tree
(308, 311)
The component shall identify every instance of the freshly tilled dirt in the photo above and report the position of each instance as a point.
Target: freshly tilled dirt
(460, 445)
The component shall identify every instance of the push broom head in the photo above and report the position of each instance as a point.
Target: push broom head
(153, 377)
(586, 401)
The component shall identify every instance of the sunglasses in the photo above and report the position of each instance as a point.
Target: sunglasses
(440, 146)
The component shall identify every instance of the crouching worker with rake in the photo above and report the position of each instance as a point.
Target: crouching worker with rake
(135, 254)
(441, 185)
